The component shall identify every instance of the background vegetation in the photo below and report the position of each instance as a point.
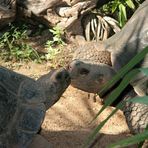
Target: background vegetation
(13, 47)
(13, 43)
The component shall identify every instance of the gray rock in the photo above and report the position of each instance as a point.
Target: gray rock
(7, 12)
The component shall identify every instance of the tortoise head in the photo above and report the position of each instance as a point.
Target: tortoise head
(89, 77)
(54, 84)
(91, 67)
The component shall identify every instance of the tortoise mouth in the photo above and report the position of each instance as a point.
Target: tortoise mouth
(87, 87)
(63, 75)
(68, 79)
(67, 76)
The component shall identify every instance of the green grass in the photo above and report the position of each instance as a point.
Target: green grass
(14, 48)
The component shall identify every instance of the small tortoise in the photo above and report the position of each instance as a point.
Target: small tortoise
(96, 63)
(23, 103)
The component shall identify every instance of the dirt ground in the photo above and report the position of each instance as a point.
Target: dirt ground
(67, 123)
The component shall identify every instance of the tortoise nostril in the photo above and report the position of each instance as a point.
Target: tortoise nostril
(84, 71)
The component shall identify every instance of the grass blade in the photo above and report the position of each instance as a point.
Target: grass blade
(134, 61)
(131, 140)
(98, 128)
(142, 100)
(115, 93)
(110, 99)
(144, 70)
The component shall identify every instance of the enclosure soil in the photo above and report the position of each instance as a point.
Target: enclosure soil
(67, 123)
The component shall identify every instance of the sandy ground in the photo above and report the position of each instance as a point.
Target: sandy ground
(67, 123)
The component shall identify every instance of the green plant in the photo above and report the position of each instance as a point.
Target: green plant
(127, 74)
(56, 41)
(121, 8)
(13, 46)
(52, 52)
(57, 35)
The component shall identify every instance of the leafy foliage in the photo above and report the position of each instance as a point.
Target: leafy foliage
(13, 46)
(122, 9)
(57, 41)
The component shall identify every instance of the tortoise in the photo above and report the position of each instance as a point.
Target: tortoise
(23, 103)
(96, 63)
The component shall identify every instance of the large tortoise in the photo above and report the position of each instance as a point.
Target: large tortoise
(23, 103)
(96, 63)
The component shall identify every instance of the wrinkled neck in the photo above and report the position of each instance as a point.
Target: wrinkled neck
(133, 37)
(134, 31)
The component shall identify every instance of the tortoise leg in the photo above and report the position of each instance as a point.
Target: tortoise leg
(136, 115)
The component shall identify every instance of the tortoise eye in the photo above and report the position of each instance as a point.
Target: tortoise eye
(59, 76)
(84, 71)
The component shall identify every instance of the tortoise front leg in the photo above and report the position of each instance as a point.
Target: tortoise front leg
(136, 114)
